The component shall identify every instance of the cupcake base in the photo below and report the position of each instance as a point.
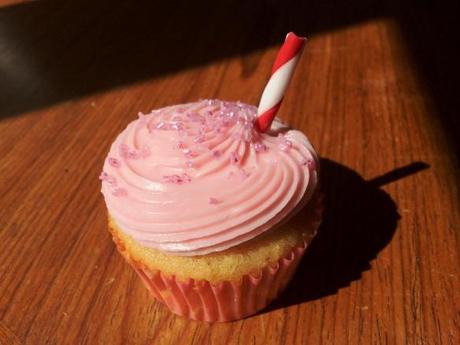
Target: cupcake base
(228, 300)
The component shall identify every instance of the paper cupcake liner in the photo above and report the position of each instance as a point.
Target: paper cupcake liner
(228, 300)
(202, 300)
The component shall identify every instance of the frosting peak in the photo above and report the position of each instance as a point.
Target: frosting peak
(196, 178)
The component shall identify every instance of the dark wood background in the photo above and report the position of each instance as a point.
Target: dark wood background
(376, 90)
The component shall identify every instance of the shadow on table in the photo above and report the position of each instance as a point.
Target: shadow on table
(427, 28)
(359, 221)
(53, 51)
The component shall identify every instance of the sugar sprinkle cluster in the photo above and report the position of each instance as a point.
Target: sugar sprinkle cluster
(211, 117)
(112, 181)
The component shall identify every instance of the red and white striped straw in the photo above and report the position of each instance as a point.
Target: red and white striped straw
(282, 71)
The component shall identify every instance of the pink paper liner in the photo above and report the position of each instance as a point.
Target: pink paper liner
(229, 300)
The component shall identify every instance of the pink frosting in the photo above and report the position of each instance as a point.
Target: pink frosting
(197, 178)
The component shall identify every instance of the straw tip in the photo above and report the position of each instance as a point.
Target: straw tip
(292, 35)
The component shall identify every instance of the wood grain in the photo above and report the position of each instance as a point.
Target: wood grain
(8, 337)
(376, 93)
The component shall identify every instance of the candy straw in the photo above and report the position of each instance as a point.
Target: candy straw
(282, 70)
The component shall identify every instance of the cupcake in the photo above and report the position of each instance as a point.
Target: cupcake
(201, 204)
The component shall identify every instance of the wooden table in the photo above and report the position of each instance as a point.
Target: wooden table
(376, 90)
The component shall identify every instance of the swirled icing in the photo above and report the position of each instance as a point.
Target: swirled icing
(196, 178)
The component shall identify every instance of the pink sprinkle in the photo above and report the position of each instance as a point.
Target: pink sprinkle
(231, 114)
(244, 173)
(145, 151)
(234, 158)
(127, 153)
(160, 125)
(186, 178)
(180, 145)
(310, 163)
(286, 145)
(177, 179)
(260, 147)
(195, 117)
(111, 180)
(124, 150)
(227, 121)
(114, 162)
(214, 201)
(190, 154)
(133, 154)
(216, 154)
(199, 139)
(203, 129)
(119, 192)
(103, 176)
(179, 126)
(171, 178)
(108, 178)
